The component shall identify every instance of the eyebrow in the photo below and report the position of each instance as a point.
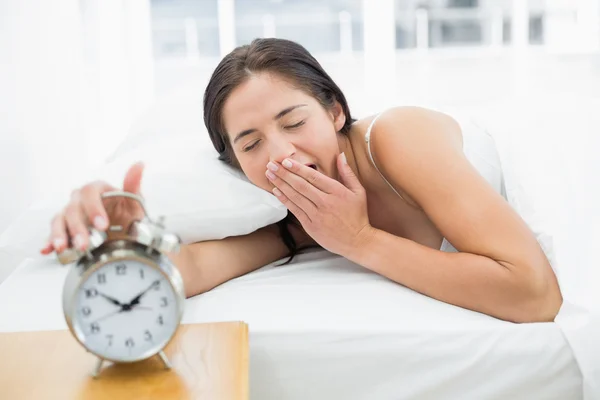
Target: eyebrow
(281, 114)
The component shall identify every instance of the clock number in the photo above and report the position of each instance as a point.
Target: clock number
(163, 302)
(141, 273)
(121, 269)
(110, 338)
(95, 328)
(160, 320)
(156, 285)
(147, 335)
(129, 342)
(101, 279)
(86, 311)
(90, 293)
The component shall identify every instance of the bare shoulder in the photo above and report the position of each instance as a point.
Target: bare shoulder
(417, 124)
(410, 140)
(421, 153)
(409, 128)
(406, 136)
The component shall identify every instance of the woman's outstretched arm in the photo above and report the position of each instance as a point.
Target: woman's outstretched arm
(205, 265)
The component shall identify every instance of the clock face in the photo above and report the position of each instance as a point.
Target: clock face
(125, 311)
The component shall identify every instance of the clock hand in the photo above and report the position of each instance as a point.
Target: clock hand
(136, 300)
(112, 300)
(110, 314)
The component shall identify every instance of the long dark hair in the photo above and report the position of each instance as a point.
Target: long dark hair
(285, 58)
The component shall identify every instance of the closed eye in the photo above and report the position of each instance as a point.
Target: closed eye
(253, 145)
(299, 124)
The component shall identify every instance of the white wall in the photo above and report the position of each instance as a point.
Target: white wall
(573, 25)
(40, 99)
(119, 69)
(73, 75)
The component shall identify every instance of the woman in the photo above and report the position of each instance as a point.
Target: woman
(389, 192)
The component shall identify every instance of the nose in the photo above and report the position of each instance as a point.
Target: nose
(280, 148)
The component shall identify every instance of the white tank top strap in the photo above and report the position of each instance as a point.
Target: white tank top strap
(368, 141)
(447, 247)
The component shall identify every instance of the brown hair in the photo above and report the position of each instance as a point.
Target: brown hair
(285, 58)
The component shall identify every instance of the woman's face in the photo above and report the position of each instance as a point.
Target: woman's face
(267, 119)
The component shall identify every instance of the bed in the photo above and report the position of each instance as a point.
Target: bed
(325, 328)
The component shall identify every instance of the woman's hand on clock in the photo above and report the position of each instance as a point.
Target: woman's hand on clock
(69, 228)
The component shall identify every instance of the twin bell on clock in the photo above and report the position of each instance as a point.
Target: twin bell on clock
(123, 298)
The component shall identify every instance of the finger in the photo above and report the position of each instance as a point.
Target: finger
(294, 209)
(58, 235)
(93, 206)
(291, 193)
(348, 177)
(314, 177)
(300, 184)
(48, 249)
(76, 225)
(133, 179)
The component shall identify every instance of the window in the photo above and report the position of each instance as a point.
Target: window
(316, 24)
(463, 3)
(185, 28)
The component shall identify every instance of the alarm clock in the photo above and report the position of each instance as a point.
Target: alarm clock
(123, 298)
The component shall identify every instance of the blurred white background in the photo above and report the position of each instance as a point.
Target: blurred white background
(80, 79)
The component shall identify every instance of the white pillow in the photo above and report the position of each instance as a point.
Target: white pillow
(201, 197)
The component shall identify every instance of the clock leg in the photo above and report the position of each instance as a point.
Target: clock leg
(97, 368)
(165, 360)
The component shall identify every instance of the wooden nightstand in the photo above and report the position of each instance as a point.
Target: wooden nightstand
(210, 361)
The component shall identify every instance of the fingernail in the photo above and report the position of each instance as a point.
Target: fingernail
(270, 175)
(58, 243)
(100, 222)
(277, 192)
(344, 158)
(287, 163)
(272, 166)
(78, 241)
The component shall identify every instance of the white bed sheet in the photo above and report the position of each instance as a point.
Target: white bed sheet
(324, 328)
